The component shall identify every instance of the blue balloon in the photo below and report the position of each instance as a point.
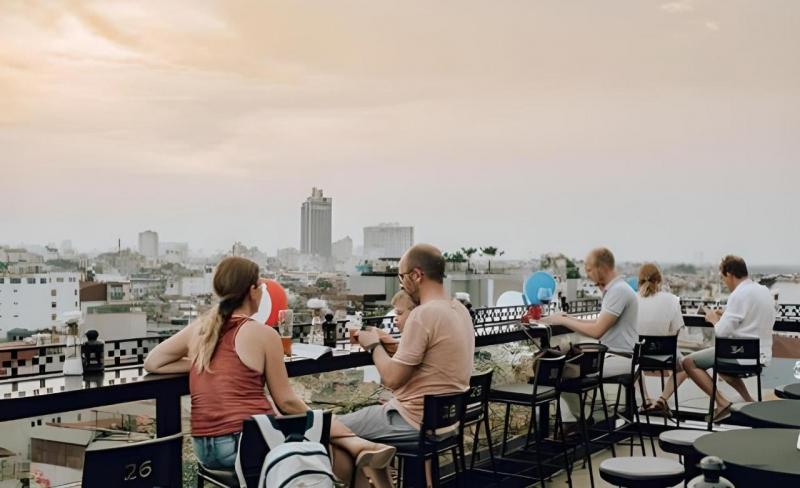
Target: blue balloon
(633, 282)
(535, 282)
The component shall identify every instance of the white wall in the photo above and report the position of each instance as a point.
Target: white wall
(37, 304)
(114, 326)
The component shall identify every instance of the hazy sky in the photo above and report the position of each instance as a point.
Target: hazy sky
(661, 129)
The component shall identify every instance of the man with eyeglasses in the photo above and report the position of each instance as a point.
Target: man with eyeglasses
(434, 356)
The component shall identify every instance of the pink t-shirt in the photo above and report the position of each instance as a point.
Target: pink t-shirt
(439, 340)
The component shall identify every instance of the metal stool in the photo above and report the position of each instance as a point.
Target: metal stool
(642, 472)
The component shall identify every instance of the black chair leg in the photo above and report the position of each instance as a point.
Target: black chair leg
(648, 417)
(588, 450)
(675, 392)
(474, 445)
(758, 382)
(434, 469)
(538, 443)
(505, 430)
(560, 425)
(638, 419)
(489, 441)
(609, 427)
(200, 481)
(712, 400)
(647, 414)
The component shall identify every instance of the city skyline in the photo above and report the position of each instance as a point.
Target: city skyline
(536, 127)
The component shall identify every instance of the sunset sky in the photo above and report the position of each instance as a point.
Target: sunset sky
(661, 129)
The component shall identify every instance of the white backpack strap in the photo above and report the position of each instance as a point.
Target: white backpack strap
(314, 432)
(237, 466)
(272, 436)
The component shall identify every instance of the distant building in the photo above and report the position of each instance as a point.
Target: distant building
(289, 257)
(315, 224)
(148, 244)
(343, 249)
(387, 240)
(173, 252)
(20, 261)
(36, 301)
(190, 286)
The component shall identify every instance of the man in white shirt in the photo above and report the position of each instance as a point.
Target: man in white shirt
(750, 313)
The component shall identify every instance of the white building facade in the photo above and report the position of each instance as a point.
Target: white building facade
(387, 240)
(36, 301)
(148, 244)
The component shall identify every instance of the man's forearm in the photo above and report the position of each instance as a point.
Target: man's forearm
(585, 327)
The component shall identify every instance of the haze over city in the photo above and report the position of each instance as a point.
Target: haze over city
(533, 127)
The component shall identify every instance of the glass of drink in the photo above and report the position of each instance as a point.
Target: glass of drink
(285, 329)
(797, 370)
(545, 296)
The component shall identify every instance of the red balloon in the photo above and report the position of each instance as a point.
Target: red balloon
(279, 301)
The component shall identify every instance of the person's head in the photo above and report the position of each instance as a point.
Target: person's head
(733, 270)
(236, 283)
(92, 335)
(403, 305)
(600, 266)
(649, 279)
(421, 267)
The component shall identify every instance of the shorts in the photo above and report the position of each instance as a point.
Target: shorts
(380, 423)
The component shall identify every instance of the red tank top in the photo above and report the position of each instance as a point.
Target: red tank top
(222, 399)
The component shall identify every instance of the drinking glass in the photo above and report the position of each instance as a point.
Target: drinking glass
(797, 370)
(285, 329)
(545, 295)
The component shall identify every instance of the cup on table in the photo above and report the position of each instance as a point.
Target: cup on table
(352, 330)
(285, 329)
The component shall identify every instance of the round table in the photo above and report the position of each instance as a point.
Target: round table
(755, 456)
(774, 413)
(790, 392)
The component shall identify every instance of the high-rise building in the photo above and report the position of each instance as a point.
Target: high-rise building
(343, 249)
(148, 244)
(315, 224)
(387, 240)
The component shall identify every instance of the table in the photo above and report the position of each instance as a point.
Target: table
(755, 457)
(774, 413)
(789, 392)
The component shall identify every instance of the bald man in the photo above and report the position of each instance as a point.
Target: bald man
(615, 325)
(434, 356)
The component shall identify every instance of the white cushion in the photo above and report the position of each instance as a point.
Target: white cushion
(681, 437)
(641, 467)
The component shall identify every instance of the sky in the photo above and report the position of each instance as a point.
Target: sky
(666, 130)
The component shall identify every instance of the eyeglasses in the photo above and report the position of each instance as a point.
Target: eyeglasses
(400, 276)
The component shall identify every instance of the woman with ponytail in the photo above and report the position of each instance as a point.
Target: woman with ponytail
(659, 315)
(230, 358)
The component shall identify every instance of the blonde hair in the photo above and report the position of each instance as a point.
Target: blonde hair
(233, 281)
(649, 279)
(402, 295)
(602, 256)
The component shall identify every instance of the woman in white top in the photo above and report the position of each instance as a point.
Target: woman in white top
(659, 314)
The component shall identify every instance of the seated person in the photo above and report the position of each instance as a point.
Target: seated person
(230, 358)
(615, 326)
(434, 356)
(659, 315)
(403, 305)
(750, 313)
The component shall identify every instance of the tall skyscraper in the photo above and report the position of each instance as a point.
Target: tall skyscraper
(387, 240)
(148, 244)
(315, 224)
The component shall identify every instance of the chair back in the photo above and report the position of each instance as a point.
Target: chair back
(548, 372)
(253, 449)
(155, 462)
(441, 412)
(478, 396)
(590, 358)
(658, 352)
(636, 358)
(738, 355)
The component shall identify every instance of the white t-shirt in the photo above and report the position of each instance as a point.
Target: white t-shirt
(750, 313)
(659, 315)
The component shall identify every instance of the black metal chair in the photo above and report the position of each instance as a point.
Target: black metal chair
(542, 388)
(628, 382)
(476, 413)
(660, 353)
(440, 432)
(155, 462)
(588, 379)
(253, 449)
(740, 358)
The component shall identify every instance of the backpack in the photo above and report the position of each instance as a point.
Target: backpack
(297, 460)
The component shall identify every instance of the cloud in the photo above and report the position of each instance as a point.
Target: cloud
(680, 7)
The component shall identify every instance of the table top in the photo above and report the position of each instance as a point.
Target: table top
(792, 391)
(764, 452)
(773, 413)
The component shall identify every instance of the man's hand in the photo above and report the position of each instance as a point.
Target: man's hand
(368, 337)
(713, 316)
(554, 319)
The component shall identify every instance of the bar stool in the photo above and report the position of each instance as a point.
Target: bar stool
(477, 413)
(681, 442)
(660, 353)
(628, 381)
(541, 389)
(734, 357)
(642, 472)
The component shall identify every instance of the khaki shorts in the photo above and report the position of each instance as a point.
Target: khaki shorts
(380, 423)
(704, 359)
